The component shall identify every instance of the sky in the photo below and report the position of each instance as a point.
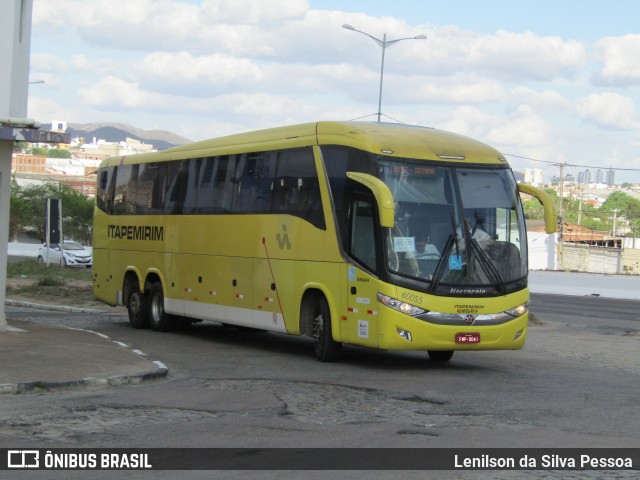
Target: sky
(544, 82)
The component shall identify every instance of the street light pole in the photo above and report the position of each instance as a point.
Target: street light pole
(384, 43)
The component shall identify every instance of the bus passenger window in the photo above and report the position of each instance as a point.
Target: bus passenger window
(177, 189)
(105, 189)
(121, 193)
(224, 183)
(146, 182)
(254, 192)
(206, 194)
(296, 188)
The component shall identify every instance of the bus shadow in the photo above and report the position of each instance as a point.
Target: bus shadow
(300, 347)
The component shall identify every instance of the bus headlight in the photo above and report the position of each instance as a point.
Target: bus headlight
(400, 306)
(519, 310)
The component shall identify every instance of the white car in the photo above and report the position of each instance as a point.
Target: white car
(73, 255)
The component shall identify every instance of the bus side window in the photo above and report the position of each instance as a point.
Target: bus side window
(177, 189)
(120, 193)
(104, 198)
(145, 191)
(193, 167)
(296, 189)
(224, 183)
(363, 244)
(206, 193)
(246, 197)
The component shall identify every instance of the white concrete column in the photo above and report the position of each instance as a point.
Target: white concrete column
(6, 148)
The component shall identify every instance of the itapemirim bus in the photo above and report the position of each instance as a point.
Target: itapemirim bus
(387, 236)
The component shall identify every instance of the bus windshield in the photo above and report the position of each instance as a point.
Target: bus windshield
(454, 226)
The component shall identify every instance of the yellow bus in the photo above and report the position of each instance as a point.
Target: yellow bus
(382, 235)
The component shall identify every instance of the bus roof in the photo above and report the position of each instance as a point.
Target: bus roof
(394, 140)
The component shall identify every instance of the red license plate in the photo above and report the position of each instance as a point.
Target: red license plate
(467, 338)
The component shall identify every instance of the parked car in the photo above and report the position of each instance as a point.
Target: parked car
(73, 254)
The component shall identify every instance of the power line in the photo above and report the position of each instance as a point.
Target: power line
(600, 167)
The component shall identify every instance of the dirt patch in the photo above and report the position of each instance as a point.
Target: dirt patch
(71, 292)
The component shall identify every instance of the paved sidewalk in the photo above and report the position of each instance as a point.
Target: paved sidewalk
(36, 358)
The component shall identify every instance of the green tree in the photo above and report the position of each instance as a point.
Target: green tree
(40, 151)
(28, 210)
(533, 209)
(58, 153)
(621, 204)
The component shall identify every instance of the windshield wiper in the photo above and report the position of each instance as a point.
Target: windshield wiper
(442, 263)
(486, 262)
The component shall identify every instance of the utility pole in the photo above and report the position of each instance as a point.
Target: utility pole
(560, 214)
(581, 192)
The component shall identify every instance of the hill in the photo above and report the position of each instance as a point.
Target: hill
(118, 132)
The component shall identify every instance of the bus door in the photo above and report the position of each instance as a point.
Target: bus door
(361, 325)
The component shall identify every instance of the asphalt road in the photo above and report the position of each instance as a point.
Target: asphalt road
(575, 384)
(605, 314)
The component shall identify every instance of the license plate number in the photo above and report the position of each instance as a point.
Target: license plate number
(467, 338)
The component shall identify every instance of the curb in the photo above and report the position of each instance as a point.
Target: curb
(43, 306)
(161, 370)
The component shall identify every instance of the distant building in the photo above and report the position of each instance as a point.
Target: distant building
(23, 163)
(59, 125)
(79, 171)
(533, 176)
(101, 149)
(584, 177)
(610, 177)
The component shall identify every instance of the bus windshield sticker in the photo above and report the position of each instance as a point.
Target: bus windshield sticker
(455, 262)
(404, 244)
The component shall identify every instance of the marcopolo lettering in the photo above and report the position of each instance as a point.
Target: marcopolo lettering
(135, 232)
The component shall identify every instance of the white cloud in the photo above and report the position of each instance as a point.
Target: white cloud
(185, 74)
(456, 89)
(470, 121)
(250, 11)
(609, 110)
(547, 100)
(115, 94)
(48, 63)
(620, 59)
(211, 67)
(504, 55)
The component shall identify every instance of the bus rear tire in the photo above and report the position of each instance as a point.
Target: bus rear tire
(159, 320)
(440, 355)
(326, 348)
(137, 307)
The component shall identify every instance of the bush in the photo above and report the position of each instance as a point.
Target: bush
(51, 281)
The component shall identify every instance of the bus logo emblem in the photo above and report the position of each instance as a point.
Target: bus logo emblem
(283, 240)
(469, 319)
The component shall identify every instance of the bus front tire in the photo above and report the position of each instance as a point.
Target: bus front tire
(159, 320)
(137, 307)
(440, 355)
(326, 348)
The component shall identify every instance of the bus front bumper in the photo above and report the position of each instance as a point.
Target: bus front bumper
(401, 332)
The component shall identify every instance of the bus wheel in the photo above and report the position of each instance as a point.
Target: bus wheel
(159, 320)
(137, 307)
(327, 349)
(440, 355)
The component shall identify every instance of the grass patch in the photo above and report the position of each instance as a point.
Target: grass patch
(73, 295)
(53, 275)
(50, 285)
